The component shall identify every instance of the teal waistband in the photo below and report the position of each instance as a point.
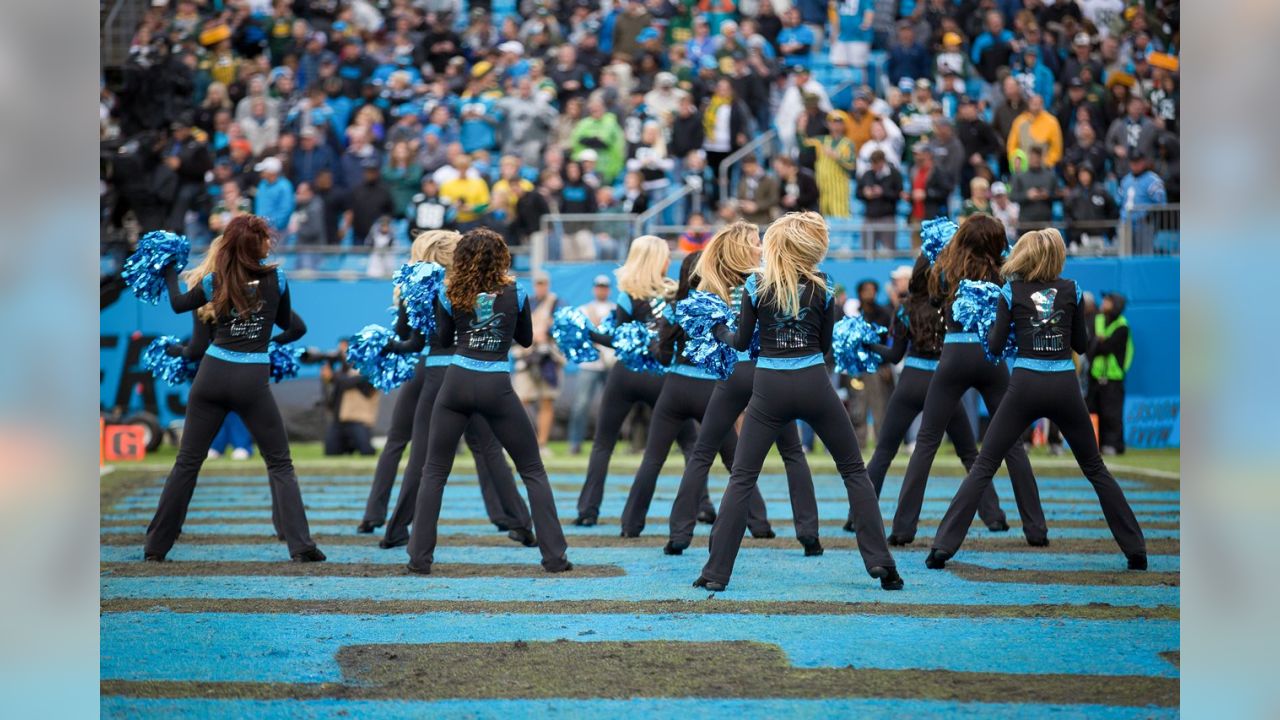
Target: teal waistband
(745, 356)
(795, 363)
(693, 371)
(237, 357)
(962, 337)
(1039, 365)
(493, 366)
(920, 363)
(439, 360)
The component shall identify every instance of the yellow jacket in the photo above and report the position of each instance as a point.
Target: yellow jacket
(1030, 131)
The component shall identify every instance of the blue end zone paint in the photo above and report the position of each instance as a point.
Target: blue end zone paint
(302, 648)
(657, 709)
(632, 559)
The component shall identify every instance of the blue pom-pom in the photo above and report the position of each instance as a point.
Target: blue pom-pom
(631, 342)
(570, 329)
(697, 315)
(974, 309)
(849, 340)
(170, 370)
(419, 283)
(607, 325)
(383, 371)
(144, 270)
(934, 236)
(285, 361)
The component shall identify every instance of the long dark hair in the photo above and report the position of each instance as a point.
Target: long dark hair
(245, 245)
(480, 264)
(688, 281)
(973, 254)
(924, 317)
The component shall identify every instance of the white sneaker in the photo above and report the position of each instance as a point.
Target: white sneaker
(239, 454)
(214, 454)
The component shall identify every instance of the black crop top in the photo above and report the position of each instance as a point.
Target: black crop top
(1047, 317)
(486, 331)
(783, 336)
(247, 334)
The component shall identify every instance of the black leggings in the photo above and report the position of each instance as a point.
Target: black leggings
(1033, 395)
(491, 467)
(465, 395)
(904, 405)
(622, 390)
(780, 397)
(964, 366)
(398, 436)
(683, 398)
(221, 387)
(727, 402)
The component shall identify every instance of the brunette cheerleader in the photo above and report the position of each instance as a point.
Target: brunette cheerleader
(1048, 322)
(482, 311)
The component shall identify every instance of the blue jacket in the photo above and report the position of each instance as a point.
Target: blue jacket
(306, 165)
(274, 202)
(1145, 189)
(913, 62)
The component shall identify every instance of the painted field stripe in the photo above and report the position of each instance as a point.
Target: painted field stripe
(632, 559)
(651, 709)
(300, 648)
(780, 525)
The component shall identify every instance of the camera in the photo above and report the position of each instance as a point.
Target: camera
(316, 356)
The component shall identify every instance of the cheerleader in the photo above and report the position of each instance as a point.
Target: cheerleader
(1048, 321)
(685, 393)
(482, 311)
(644, 291)
(791, 302)
(916, 331)
(728, 260)
(502, 500)
(435, 246)
(973, 254)
(248, 297)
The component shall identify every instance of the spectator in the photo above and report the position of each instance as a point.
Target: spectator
(1089, 210)
(511, 183)
(792, 104)
(370, 200)
(695, 236)
(1035, 190)
(1082, 57)
(537, 367)
(570, 77)
(261, 129)
(1005, 210)
(591, 375)
(1034, 77)
(306, 225)
(274, 198)
(402, 177)
(467, 194)
(532, 207)
(686, 129)
(880, 188)
(758, 193)
(799, 189)
(190, 148)
(1035, 129)
(1086, 152)
(1007, 111)
(930, 189)
(1110, 357)
(427, 211)
(478, 115)
(1070, 106)
(576, 197)
(311, 156)
(948, 151)
(917, 114)
(870, 393)
(229, 204)
(527, 122)
(909, 59)
(651, 161)
(353, 403)
(1133, 133)
(633, 200)
(860, 119)
(1139, 188)
(725, 123)
(979, 198)
(851, 36)
(992, 49)
(664, 99)
(701, 183)
(881, 142)
(600, 132)
(835, 162)
(796, 41)
(978, 139)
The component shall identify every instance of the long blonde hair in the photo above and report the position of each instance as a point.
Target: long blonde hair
(644, 274)
(793, 246)
(1038, 256)
(193, 276)
(435, 246)
(730, 256)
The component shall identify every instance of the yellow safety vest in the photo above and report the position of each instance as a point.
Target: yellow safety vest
(1108, 366)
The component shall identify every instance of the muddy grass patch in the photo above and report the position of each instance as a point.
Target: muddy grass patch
(977, 573)
(332, 569)
(654, 669)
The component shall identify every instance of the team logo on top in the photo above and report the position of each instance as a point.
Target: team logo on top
(486, 331)
(790, 331)
(250, 325)
(1047, 334)
(657, 309)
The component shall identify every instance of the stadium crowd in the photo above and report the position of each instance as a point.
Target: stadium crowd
(362, 121)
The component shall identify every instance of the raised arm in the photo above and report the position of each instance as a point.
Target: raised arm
(179, 301)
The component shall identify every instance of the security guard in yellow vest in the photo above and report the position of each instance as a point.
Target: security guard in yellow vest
(1110, 357)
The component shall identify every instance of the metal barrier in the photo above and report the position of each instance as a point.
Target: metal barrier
(734, 158)
(582, 237)
(1151, 230)
(642, 225)
(117, 29)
